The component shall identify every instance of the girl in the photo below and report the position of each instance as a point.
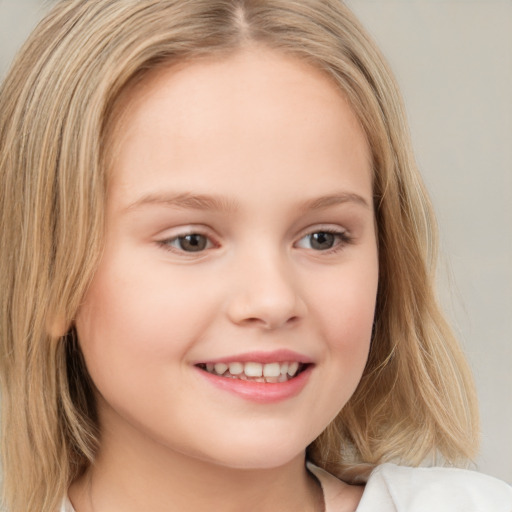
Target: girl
(217, 263)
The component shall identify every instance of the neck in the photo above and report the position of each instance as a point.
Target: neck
(139, 475)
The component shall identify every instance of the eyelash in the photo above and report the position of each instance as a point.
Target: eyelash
(167, 243)
(343, 239)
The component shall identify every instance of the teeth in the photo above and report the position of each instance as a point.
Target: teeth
(253, 369)
(236, 368)
(292, 369)
(272, 370)
(220, 368)
(257, 372)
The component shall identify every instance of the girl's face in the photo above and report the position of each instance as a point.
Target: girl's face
(230, 317)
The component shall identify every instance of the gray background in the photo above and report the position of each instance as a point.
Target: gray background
(453, 60)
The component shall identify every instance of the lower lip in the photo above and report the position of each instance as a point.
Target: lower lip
(260, 392)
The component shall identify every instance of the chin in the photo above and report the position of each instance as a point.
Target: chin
(258, 457)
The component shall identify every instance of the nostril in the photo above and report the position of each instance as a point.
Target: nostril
(269, 322)
(266, 308)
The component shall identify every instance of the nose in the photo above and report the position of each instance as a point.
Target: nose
(265, 294)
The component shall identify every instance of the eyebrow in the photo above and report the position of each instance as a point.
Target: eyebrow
(333, 200)
(188, 200)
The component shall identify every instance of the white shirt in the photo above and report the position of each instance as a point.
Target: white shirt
(392, 488)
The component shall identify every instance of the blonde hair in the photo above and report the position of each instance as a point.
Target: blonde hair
(57, 107)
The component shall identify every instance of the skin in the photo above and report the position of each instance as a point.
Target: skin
(271, 137)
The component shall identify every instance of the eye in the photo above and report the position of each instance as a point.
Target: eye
(192, 242)
(323, 240)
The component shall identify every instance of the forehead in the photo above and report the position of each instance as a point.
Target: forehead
(255, 108)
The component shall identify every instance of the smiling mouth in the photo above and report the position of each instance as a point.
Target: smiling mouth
(255, 372)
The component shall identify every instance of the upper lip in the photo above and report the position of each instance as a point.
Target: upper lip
(276, 356)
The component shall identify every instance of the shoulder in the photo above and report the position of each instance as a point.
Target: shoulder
(405, 489)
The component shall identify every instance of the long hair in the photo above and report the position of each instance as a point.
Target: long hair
(58, 106)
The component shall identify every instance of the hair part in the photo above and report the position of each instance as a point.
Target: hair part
(59, 106)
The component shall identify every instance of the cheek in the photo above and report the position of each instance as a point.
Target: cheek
(347, 310)
(347, 305)
(134, 337)
(129, 318)
(344, 312)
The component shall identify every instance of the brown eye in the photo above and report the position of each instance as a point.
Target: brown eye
(191, 243)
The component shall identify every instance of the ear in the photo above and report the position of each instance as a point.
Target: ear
(58, 327)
